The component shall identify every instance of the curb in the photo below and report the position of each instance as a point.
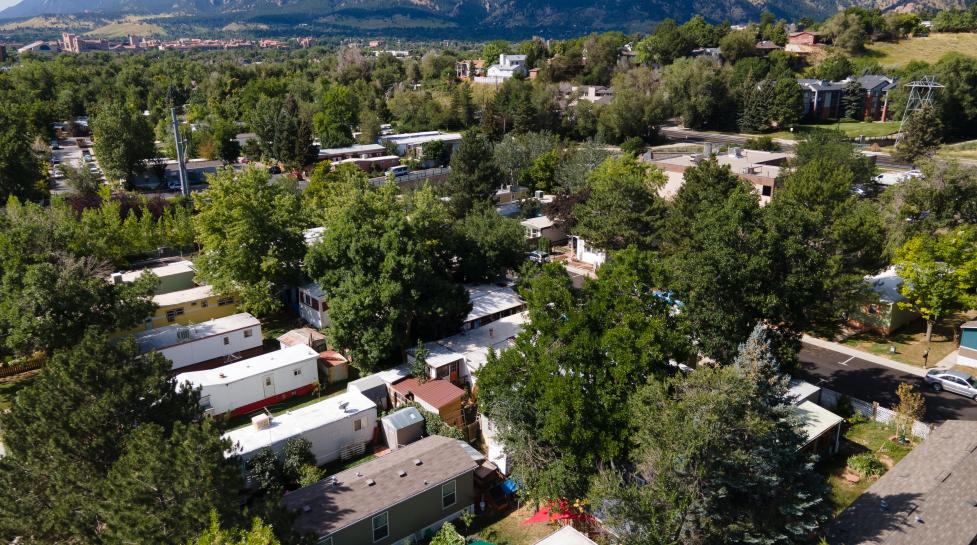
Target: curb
(860, 354)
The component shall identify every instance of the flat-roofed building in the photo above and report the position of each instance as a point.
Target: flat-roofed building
(208, 344)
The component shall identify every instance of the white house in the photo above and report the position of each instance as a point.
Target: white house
(214, 342)
(489, 303)
(413, 143)
(312, 305)
(508, 67)
(586, 254)
(336, 427)
(248, 385)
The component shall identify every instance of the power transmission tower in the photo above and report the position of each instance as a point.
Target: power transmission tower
(180, 152)
(921, 93)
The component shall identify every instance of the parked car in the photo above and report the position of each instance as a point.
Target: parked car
(538, 256)
(957, 382)
(398, 171)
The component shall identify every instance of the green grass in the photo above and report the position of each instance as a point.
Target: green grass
(865, 436)
(926, 48)
(852, 129)
(277, 325)
(10, 387)
(910, 341)
(339, 465)
(960, 150)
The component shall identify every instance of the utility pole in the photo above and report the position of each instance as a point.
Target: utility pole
(180, 150)
(921, 94)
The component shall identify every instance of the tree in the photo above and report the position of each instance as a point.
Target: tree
(474, 176)
(226, 146)
(100, 413)
(922, 134)
(488, 244)
(447, 535)
(945, 196)
(818, 144)
(418, 367)
(738, 44)
(50, 305)
(835, 67)
(938, 273)
(369, 126)
(387, 267)
(846, 32)
(437, 153)
(909, 409)
(853, 101)
(515, 154)
(259, 534)
(666, 44)
(704, 442)
(491, 50)
(333, 123)
(284, 132)
(623, 208)
(251, 237)
(296, 455)
(82, 181)
(22, 174)
(559, 397)
(265, 470)
(123, 140)
(698, 92)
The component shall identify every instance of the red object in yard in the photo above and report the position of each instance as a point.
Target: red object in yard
(561, 512)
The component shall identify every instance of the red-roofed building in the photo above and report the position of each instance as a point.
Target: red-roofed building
(437, 396)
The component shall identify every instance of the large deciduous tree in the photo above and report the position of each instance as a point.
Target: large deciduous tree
(250, 232)
(21, 173)
(333, 123)
(559, 397)
(623, 207)
(123, 139)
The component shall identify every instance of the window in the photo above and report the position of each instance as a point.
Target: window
(248, 333)
(173, 313)
(358, 424)
(381, 527)
(296, 372)
(204, 304)
(267, 381)
(225, 301)
(227, 341)
(448, 495)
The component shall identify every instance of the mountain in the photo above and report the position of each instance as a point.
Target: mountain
(475, 18)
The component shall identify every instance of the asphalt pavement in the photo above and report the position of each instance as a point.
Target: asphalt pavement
(869, 381)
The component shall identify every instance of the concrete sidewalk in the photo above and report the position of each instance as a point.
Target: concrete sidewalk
(867, 356)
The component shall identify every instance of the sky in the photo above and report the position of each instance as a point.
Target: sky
(7, 3)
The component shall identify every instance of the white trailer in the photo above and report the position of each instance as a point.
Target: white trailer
(337, 427)
(248, 385)
(214, 342)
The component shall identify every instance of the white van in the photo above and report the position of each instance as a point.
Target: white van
(398, 171)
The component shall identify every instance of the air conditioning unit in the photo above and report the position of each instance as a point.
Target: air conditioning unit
(538, 194)
(261, 421)
(117, 278)
(209, 413)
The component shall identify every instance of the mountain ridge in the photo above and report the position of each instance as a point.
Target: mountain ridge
(466, 16)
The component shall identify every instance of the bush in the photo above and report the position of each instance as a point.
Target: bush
(762, 143)
(634, 145)
(310, 474)
(866, 465)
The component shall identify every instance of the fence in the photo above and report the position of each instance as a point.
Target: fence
(417, 178)
(873, 411)
(18, 368)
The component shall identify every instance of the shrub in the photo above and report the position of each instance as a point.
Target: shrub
(762, 143)
(634, 145)
(866, 465)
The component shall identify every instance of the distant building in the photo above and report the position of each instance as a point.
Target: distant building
(880, 311)
(509, 66)
(542, 227)
(766, 46)
(822, 99)
(467, 70)
(194, 305)
(412, 144)
(760, 168)
(72, 43)
(40, 46)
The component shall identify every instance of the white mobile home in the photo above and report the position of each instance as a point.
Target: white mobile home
(248, 385)
(215, 342)
(337, 427)
(313, 307)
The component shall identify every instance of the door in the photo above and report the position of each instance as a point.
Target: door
(269, 384)
(954, 385)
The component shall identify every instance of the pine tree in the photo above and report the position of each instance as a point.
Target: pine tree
(922, 134)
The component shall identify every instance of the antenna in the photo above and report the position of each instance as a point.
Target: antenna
(920, 95)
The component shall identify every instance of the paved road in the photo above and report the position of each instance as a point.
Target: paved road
(687, 135)
(871, 382)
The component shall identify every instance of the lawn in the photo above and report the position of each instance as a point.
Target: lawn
(852, 129)
(960, 150)
(277, 325)
(10, 386)
(507, 528)
(927, 48)
(910, 341)
(866, 436)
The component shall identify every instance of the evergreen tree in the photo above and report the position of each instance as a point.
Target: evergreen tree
(474, 177)
(922, 135)
(853, 101)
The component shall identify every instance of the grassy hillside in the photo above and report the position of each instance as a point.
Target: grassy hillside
(124, 28)
(926, 48)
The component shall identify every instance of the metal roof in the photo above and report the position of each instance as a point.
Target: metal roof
(404, 418)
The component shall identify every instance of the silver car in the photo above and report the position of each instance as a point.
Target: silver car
(952, 381)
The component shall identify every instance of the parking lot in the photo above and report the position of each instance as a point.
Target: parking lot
(69, 153)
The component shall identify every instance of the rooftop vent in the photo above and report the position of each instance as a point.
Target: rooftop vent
(117, 278)
(943, 476)
(402, 473)
(370, 482)
(261, 422)
(417, 461)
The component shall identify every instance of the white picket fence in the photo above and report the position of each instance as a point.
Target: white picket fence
(873, 411)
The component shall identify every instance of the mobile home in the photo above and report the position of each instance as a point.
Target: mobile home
(209, 344)
(248, 385)
(337, 427)
(190, 306)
